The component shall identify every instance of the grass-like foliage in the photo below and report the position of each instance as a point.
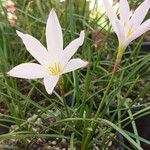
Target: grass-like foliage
(90, 108)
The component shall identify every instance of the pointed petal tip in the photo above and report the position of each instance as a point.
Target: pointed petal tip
(20, 34)
(52, 15)
(50, 83)
(82, 35)
(8, 73)
(82, 32)
(86, 63)
(52, 12)
(49, 92)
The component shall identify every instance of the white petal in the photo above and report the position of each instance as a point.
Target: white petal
(54, 36)
(70, 50)
(140, 14)
(141, 30)
(50, 82)
(124, 11)
(74, 64)
(110, 13)
(120, 31)
(28, 71)
(35, 48)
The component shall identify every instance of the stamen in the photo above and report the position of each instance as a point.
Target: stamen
(55, 69)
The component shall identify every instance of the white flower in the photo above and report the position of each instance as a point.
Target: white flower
(53, 62)
(128, 28)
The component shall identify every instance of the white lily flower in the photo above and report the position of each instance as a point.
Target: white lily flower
(53, 62)
(128, 27)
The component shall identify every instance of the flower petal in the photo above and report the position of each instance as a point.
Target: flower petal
(74, 64)
(28, 71)
(141, 30)
(110, 13)
(54, 36)
(124, 11)
(70, 50)
(50, 82)
(120, 31)
(140, 14)
(35, 48)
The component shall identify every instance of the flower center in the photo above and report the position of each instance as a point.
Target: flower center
(55, 69)
(130, 31)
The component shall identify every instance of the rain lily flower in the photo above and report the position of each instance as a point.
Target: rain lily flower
(128, 27)
(54, 61)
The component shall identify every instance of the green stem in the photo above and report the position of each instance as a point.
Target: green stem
(121, 49)
(65, 106)
(93, 125)
(61, 88)
(87, 85)
(104, 97)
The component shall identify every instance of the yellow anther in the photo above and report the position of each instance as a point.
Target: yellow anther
(55, 69)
